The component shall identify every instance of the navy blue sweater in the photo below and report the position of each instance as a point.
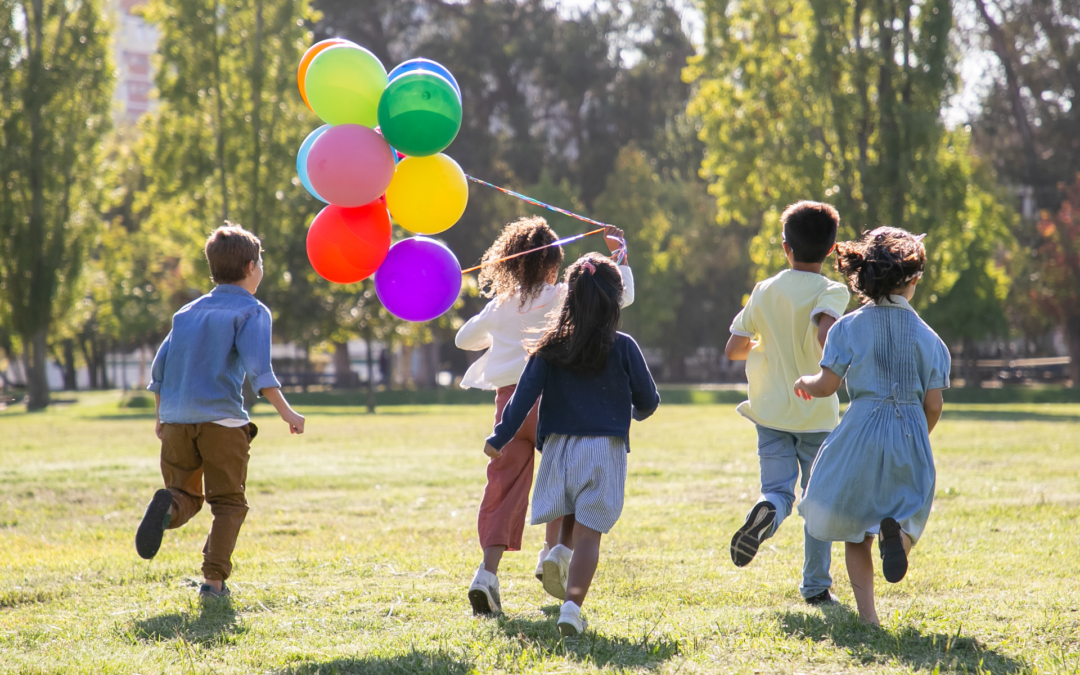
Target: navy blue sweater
(575, 404)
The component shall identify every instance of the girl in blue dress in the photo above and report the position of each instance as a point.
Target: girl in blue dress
(874, 475)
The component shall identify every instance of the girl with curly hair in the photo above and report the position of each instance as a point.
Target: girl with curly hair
(874, 475)
(523, 291)
(590, 381)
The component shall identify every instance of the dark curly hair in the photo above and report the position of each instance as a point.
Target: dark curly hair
(525, 274)
(582, 331)
(881, 261)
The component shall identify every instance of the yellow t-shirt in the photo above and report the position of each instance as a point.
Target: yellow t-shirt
(782, 316)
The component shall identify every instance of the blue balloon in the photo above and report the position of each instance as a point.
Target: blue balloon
(424, 64)
(301, 161)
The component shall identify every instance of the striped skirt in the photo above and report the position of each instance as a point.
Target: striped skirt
(583, 476)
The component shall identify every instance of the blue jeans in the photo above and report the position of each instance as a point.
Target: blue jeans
(782, 455)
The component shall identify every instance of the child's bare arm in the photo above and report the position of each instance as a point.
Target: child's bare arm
(738, 347)
(821, 385)
(294, 419)
(932, 405)
(825, 322)
(157, 415)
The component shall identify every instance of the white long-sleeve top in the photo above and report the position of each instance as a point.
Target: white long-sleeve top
(502, 328)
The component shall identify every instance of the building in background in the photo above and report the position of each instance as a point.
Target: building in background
(135, 42)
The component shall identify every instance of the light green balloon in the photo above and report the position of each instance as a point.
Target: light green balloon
(343, 85)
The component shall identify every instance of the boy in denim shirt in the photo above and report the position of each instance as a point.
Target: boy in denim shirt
(204, 430)
(780, 334)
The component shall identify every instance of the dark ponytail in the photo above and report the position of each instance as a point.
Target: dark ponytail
(881, 261)
(583, 331)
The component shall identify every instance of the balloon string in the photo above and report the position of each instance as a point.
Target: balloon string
(536, 202)
(533, 250)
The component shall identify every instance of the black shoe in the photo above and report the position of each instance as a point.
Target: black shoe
(823, 598)
(154, 522)
(745, 542)
(891, 547)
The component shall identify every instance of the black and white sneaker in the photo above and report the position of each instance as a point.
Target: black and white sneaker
(153, 525)
(893, 555)
(745, 542)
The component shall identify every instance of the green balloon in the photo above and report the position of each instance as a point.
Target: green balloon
(420, 113)
(343, 85)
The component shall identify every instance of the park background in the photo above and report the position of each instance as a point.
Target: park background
(131, 129)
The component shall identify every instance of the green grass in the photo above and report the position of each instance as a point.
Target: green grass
(361, 541)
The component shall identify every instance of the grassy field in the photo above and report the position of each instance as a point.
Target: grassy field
(361, 541)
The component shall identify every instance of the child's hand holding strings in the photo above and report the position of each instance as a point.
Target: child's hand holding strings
(491, 452)
(614, 237)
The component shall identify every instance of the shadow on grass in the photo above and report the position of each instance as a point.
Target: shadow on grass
(934, 652)
(618, 652)
(215, 623)
(1006, 416)
(405, 664)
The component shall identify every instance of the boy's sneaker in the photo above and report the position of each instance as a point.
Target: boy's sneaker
(540, 562)
(823, 598)
(891, 547)
(206, 591)
(570, 621)
(745, 542)
(153, 525)
(556, 569)
(484, 593)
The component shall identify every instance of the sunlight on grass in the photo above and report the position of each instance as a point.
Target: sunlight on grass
(361, 542)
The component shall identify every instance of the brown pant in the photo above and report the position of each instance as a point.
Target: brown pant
(501, 520)
(192, 454)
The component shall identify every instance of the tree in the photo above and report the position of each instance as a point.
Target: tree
(55, 88)
(1058, 289)
(841, 102)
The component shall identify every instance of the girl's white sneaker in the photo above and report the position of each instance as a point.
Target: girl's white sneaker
(556, 568)
(540, 562)
(484, 593)
(570, 621)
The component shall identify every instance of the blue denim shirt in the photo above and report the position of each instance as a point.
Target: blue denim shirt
(199, 368)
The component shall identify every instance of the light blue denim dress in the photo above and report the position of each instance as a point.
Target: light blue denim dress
(877, 463)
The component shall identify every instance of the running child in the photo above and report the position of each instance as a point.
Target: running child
(590, 381)
(523, 291)
(204, 430)
(780, 334)
(875, 473)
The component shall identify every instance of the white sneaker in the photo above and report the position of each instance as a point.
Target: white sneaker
(484, 593)
(556, 568)
(540, 562)
(570, 621)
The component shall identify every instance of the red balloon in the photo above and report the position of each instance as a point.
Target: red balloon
(346, 245)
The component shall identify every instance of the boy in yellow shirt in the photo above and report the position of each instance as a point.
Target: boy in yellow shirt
(780, 334)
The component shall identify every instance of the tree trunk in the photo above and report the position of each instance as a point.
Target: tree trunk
(37, 381)
(256, 115)
(344, 377)
(71, 382)
(370, 375)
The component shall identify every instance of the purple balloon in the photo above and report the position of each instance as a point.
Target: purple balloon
(419, 280)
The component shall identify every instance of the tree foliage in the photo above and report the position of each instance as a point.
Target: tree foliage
(54, 100)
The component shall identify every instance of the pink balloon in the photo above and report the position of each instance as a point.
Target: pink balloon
(350, 165)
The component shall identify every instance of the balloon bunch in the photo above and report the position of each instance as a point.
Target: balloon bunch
(381, 150)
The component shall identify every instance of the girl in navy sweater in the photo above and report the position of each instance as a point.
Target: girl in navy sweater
(593, 380)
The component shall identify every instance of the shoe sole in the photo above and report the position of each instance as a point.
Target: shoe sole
(152, 528)
(568, 630)
(747, 539)
(894, 561)
(480, 603)
(553, 581)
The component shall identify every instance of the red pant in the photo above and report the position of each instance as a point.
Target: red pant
(509, 478)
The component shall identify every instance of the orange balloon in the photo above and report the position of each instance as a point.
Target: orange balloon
(346, 245)
(305, 61)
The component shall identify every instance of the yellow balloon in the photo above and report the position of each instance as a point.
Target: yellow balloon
(428, 194)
